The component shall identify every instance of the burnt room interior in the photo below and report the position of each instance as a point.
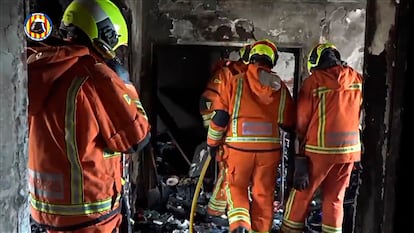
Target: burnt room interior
(172, 49)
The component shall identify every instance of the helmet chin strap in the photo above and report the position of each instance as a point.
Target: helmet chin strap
(104, 49)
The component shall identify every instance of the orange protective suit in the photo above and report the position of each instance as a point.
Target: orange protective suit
(81, 116)
(223, 71)
(328, 120)
(257, 103)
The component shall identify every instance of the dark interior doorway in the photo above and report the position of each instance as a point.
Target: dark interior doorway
(180, 73)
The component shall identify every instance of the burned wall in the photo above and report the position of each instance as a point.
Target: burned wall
(13, 120)
(387, 161)
(289, 23)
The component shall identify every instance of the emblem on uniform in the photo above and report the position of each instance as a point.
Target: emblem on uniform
(38, 26)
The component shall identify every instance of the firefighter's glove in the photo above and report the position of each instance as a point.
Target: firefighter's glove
(301, 173)
(212, 151)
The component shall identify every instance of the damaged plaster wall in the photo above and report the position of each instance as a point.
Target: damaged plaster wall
(13, 120)
(293, 23)
(376, 201)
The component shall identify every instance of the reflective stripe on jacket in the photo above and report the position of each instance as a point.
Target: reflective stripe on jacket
(328, 113)
(81, 114)
(224, 72)
(258, 103)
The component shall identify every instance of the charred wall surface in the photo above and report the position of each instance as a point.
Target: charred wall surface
(295, 23)
(13, 119)
(387, 71)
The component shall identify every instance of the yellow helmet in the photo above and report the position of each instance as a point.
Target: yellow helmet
(244, 53)
(101, 21)
(264, 48)
(316, 53)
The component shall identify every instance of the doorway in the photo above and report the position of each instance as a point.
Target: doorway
(180, 73)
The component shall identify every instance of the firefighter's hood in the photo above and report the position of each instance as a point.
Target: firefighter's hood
(336, 78)
(45, 66)
(263, 83)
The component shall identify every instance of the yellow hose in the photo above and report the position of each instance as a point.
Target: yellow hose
(197, 192)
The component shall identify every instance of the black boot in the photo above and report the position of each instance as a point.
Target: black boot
(240, 230)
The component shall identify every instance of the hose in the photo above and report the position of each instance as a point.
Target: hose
(197, 192)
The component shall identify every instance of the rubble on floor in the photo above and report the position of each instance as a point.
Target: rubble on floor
(170, 203)
(174, 217)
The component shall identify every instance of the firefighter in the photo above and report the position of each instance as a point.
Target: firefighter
(328, 141)
(82, 115)
(246, 120)
(223, 71)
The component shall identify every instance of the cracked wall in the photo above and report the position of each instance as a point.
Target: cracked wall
(289, 23)
(13, 120)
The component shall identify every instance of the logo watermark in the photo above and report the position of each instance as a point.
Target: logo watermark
(38, 26)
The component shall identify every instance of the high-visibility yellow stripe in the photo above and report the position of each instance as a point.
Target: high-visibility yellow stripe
(213, 203)
(322, 120)
(215, 134)
(289, 203)
(237, 211)
(329, 229)
(107, 154)
(235, 214)
(217, 203)
(239, 218)
(228, 194)
(253, 139)
(282, 105)
(73, 210)
(207, 116)
(217, 207)
(333, 150)
(320, 90)
(138, 104)
(239, 214)
(236, 108)
(76, 179)
(217, 187)
(127, 99)
(355, 86)
(293, 224)
(285, 228)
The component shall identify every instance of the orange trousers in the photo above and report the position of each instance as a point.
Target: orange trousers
(218, 202)
(332, 179)
(257, 170)
(108, 226)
